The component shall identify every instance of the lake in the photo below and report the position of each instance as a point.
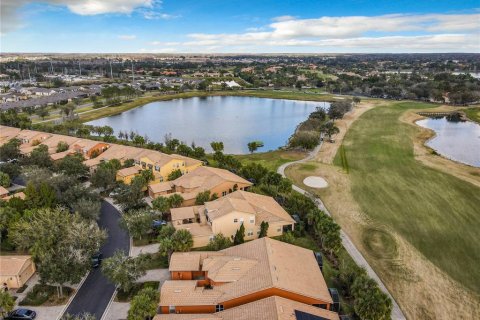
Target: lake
(459, 141)
(233, 120)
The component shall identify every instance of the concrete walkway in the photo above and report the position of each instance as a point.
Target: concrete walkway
(155, 275)
(151, 248)
(397, 313)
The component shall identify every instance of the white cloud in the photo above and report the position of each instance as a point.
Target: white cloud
(283, 18)
(11, 20)
(165, 44)
(152, 15)
(127, 37)
(432, 32)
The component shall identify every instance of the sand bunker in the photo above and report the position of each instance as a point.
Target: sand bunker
(315, 182)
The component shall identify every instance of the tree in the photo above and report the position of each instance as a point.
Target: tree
(329, 129)
(175, 200)
(104, 177)
(87, 208)
(62, 146)
(369, 301)
(356, 100)
(182, 240)
(137, 223)
(161, 204)
(179, 241)
(219, 242)
(4, 180)
(239, 237)
(287, 237)
(202, 197)
(73, 165)
(217, 146)
(61, 244)
(131, 196)
(144, 304)
(42, 113)
(304, 139)
(263, 229)
(325, 230)
(40, 196)
(123, 270)
(252, 146)
(39, 157)
(10, 150)
(254, 171)
(175, 174)
(6, 302)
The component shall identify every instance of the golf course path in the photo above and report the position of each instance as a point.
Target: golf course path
(397, 313)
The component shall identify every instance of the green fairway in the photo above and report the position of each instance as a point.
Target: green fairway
(473, 113)
(436, 212)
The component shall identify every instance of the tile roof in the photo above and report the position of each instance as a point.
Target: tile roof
(264, 207)
(125, 172)
(259, 265)
(160, 187)
(183, 213)
(186, 293)
(12, 265)
(207, 178)
(3, 191)
(271, 308)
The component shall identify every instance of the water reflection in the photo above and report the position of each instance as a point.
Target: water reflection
(233, 120)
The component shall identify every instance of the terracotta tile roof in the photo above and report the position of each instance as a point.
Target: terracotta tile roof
(271, 308)
(3, 191)
(227, 268)
(185, 261)
(12, 265)
(160, 187)
(196, 229)
(263, 207)
(207, 178)
(259, 265)
(183, 213)
(186, 293)
(125, 172)
(19, 195)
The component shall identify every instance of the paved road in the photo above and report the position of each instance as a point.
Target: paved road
(397, 313)
(96, 292)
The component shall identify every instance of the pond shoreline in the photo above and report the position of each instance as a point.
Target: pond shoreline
(270, 94)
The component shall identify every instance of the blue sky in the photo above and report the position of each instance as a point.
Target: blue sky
(232, 26)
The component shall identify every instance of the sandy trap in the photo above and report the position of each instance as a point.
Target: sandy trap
(315, 182)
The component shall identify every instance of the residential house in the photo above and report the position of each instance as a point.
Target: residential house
(89, 148)
(8, 133)
(217, 181)
(271, 308)
(15, 270)
(209, 282)
(127, 174)
(3, 193)
(225, 215)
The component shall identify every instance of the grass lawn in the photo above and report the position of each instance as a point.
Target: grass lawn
(273, 159)
(436, 212)
(127, 296)
(473, 113)
(46, 295)
(274, 94)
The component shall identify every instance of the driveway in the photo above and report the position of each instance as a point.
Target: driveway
(96, 292)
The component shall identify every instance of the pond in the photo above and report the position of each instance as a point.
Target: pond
(459, 141)
(233, 120)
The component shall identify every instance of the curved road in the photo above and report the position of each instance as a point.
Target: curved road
(96, 292)
(397, 313)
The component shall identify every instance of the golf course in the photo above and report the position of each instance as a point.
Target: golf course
(417, 225)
